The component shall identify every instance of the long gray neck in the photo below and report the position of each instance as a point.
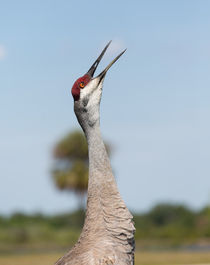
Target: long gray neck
(107, 216)
(100, 171)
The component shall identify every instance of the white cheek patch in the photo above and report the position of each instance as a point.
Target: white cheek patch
(88, 89)
(95, 97)
(92, 92)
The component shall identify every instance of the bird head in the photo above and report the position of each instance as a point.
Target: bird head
(87, 91)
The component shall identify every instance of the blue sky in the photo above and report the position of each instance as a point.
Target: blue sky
(155, 108)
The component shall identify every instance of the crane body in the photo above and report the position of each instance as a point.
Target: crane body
(107, 236)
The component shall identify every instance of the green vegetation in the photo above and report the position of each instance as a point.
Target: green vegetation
(164, 226)
(172, 226)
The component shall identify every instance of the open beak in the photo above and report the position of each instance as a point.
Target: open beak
(92, 69)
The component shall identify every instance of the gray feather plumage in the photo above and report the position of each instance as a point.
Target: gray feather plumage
(108, 233)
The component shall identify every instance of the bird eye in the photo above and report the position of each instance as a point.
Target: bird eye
(82, 84)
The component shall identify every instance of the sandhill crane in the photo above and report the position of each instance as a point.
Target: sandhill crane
(108, 233)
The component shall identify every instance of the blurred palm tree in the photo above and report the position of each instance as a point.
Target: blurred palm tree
(70, 172)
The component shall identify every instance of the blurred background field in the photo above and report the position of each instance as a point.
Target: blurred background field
(165, 227)
(142, 258)
(167, 234)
